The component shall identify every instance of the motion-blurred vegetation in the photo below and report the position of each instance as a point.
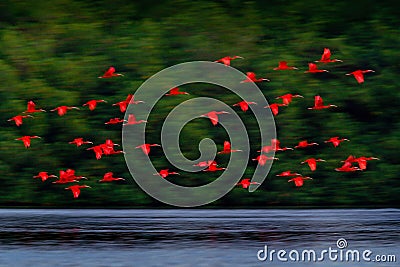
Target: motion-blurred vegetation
(52, 52)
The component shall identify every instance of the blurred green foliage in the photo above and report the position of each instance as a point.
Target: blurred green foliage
(52, 52)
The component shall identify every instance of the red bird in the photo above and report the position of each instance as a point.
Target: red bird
(288, 173)
(326, 57)
(275, 108)
(319, 103)
(213, 116)
(62, 110)
(98, 151)
(79, 141)
(304, 144)
(299, 180)
(262, 159)
(286, 99)
(204, 163)
(115, 121)
(44, 176)
(359, 74)
(213, 167)
(312, 163)
(227, 60)
(312, 68)
(27, 139)
(175, 91)
(245, 183)
(132, 120)
(251, 77)
(244, 105)
(76, 189)
(362, 161)
(31, 108)
(146, 147)
(68, 176)
(276, 145)
(336, 141)
(93, 103)
(284, 66)
(130, 100)
(108, 177)
(346, 167)
(227, 148)
(18, 119)
(165, 172)
(110, 73)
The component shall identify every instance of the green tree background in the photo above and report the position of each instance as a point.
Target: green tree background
(52, 52)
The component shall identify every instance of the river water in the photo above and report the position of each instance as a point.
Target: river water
(198, 237)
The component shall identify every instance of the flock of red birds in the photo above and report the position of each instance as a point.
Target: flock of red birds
(108, 147)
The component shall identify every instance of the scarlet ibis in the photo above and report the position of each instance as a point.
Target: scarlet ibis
(227, 148)
(362, 161)
(44, 176)
(109, 150)
(110, 73)
(31, 108)
(62, 110)
(244, 105)
(213, 116)
(288, 173)
(347, 168)
(146, 147)
(266, 149)
(98, 151)
(79, 141)
(319, 103)
(251, 77)
(284, 66)
(312, 68)
(359, 74)
(262, 159)
(93, 103)
(276, 145)
(299, 180)
(108, 177)
(326, 57)
(336, 141)
(76, 189)
(312, 163)
(213, 167)
(165, 172)
(275, 108)
(18, 119)
(68, 176)
(71, 174)
(115, 121)
(286, 99)
(132, 120)
(304, 144)
(245, 183)
(227, 60)
(175, 91)
(109, 142)
(27, 139)
(130, 100)
(204, 163)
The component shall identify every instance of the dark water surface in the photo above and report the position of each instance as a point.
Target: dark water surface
(187, 237)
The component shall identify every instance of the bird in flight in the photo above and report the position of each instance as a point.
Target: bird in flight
(313, 68)
(227, 60)
(299, 180)
(319, 103)
(326, 57)
(19, 118)
(262, 159)
(132, 120)
(305, 143)
(27, 140)
(245, 183)
(146, 147)
(359, 74)
(130, 100)
(213, 116)
(284, 66)
(336, 141)
(175, 91)
(312, 163)
(227, 148)
(275, 107)
(165, 173)
(108, 177)
(76, 189)
(213, 167)
(251, 77)
(79, 141)
(62, 110)
(44, 176)
(286, 99)
(244, 105)
(288, 173)
(31, 108)
(110, 73)
(115, 121)
(93, 103)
